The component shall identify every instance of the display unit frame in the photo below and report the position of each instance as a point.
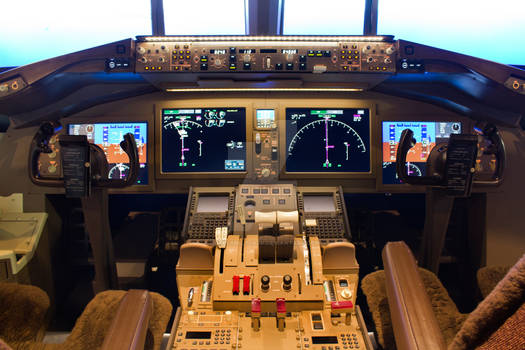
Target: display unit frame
(108, 119)
(202, 104)
(466, 127)
(346, 104)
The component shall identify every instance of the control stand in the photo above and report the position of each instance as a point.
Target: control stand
(264, 282)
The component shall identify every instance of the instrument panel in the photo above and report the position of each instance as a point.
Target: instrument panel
(233, 138)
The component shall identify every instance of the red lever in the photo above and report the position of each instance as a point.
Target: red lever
(235, 288)
(281, 305)
(256, 314)
(246, 285)
(256, 305)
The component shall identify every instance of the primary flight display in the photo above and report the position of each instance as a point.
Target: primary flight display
(328, 140)
(203, 140)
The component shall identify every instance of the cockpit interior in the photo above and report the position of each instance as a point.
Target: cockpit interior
(262, 175)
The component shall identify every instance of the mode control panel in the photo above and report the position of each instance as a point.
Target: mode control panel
(266, 56)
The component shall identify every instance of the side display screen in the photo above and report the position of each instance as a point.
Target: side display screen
(328, 140)
(427, 135)
(203, 140)
(108, 137)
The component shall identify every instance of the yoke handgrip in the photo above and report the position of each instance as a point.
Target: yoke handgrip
(492, 133)
(130, 147)
(406, 142)
(40, 144)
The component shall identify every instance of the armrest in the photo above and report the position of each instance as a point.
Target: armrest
(130, 325)
(415, 325)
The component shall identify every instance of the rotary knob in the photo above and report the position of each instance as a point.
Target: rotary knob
(265, 172)
(141, 50)
(265, 282)
(346, 293)
(287, 282)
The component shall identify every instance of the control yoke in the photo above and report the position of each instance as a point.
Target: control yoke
(95, 165)
(452, 166)
(406, 142)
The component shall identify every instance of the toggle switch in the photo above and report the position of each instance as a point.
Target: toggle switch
(235, 287)
(258, 146)
(246, 285)
(256, 314)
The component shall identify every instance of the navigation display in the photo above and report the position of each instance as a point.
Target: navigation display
(328, 140)
(108, 137)
(427, 135)
(203, 140)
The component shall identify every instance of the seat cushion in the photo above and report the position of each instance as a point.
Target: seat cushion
(488, 278)
(23, 311)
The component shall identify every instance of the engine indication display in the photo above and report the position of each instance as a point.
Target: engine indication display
(108, 137)
(203, 140)
(427, 135)
(328, 140)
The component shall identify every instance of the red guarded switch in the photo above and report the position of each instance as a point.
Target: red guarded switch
(235, 287)
(246, 285)
(342, 306)
(345, 307)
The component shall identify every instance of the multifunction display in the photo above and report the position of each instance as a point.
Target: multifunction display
(203, 140)
(427, 135)
(328, 140)
(108, 137)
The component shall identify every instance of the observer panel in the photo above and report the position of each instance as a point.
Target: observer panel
(203, 140)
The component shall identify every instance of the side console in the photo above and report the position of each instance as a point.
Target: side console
(268, 278)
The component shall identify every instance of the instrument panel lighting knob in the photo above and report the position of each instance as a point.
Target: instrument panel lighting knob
(265, 282)
(287, 282)
(265, 172)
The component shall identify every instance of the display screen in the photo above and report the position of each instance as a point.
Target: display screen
(212, 204)
(265, 118)
(198, 335)
(427, 135)
(314, 203)
(324, 340)
(108, 137)
(327, 140)
(203, 140)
